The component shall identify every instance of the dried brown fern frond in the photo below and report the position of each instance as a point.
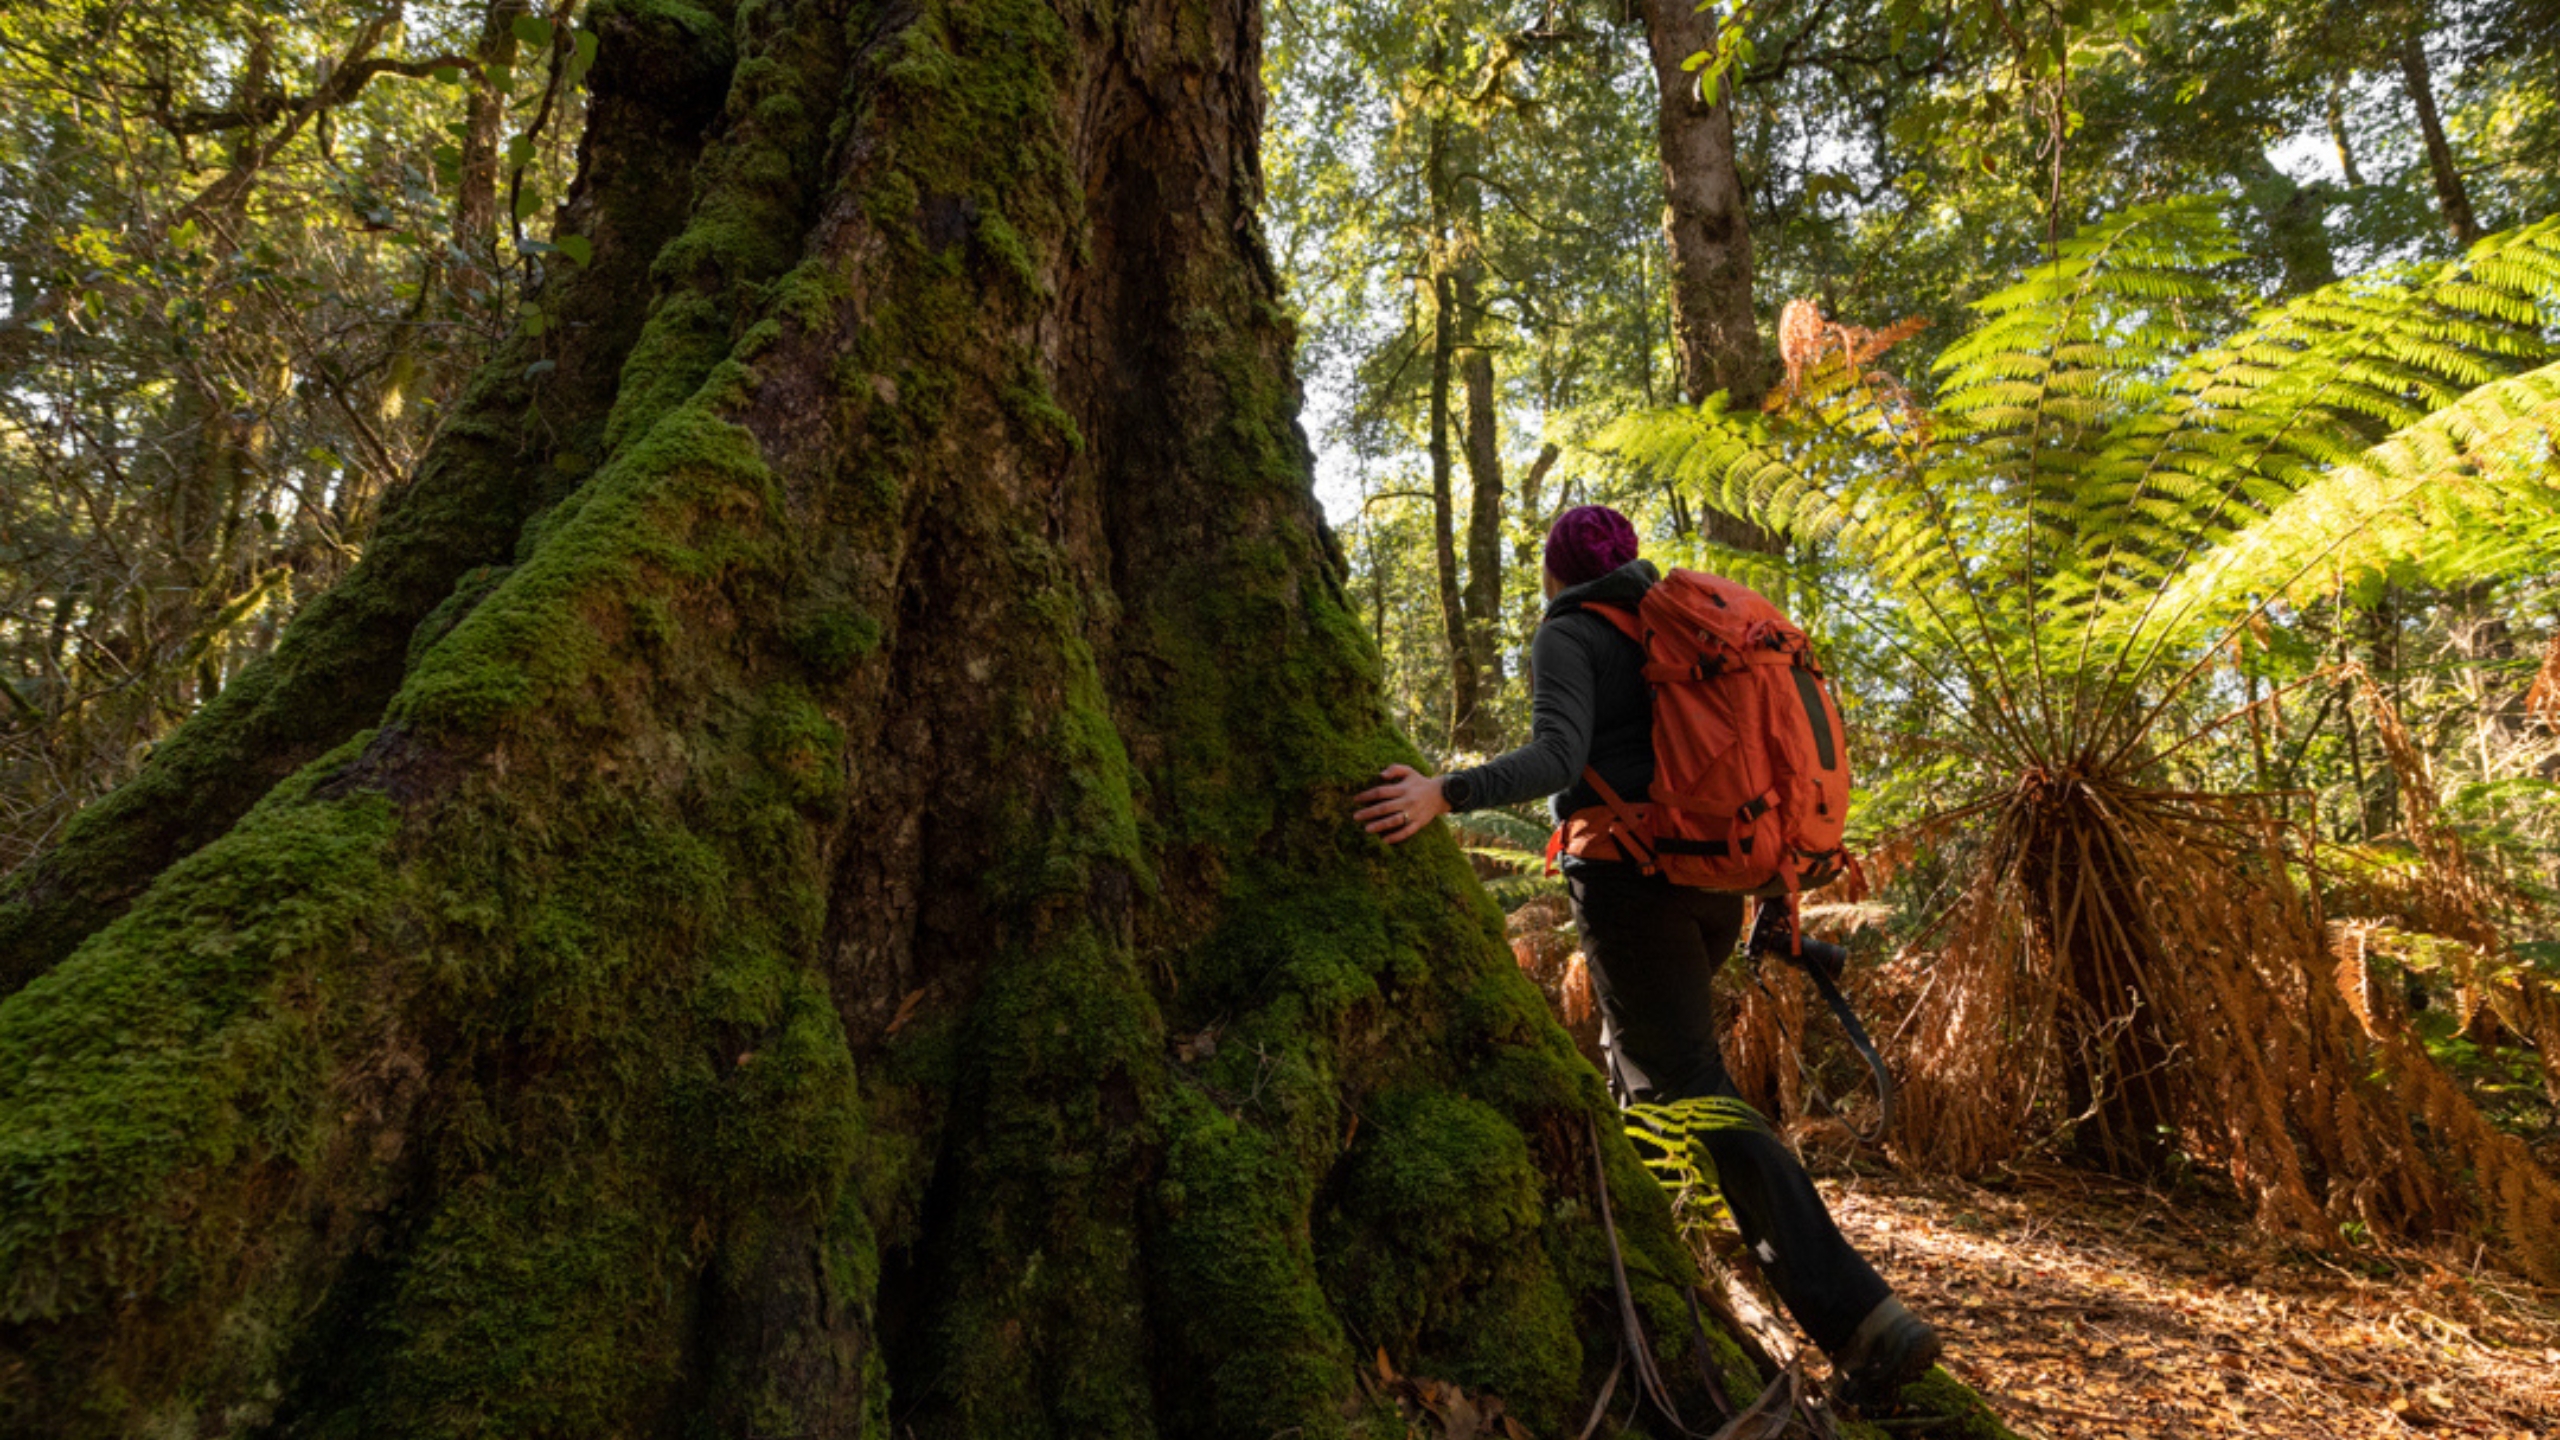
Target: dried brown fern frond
(2134, 955)
(1765, 1038)
(2510, 991)
(2528, 1006)
(1823, 357)
(2467, 905)
(1972, 1060)
(2351, 942)
(2543, 698)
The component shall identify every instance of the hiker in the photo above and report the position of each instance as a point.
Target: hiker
(1653, 947)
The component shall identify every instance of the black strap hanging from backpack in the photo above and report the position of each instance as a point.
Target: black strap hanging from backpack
(1774, 933)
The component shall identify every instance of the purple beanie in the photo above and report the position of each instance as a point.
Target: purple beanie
(1587, 542)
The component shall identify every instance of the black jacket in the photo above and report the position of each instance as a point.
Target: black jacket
(1589, 706)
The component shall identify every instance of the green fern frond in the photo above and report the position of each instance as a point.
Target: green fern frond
(2088, 495)
(1670, 1137)
(2483, 467)
(1509, 840)
(1499, 830)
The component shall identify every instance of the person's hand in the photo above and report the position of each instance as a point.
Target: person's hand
(1396, 811)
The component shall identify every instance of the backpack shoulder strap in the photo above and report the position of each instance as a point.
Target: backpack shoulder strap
(1621, 618)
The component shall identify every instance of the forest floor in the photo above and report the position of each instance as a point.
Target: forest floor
(2084, 1309)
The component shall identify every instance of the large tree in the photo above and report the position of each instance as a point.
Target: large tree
(1706, 222)
(806, 880)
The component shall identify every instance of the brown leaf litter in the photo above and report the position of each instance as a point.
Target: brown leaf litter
(2087, 1309)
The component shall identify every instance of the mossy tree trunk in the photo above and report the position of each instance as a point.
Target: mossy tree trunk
(521, 438)
(807, 878)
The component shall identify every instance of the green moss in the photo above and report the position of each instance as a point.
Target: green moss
(169, 1043)
(687, 333)
(1011, 251)
(832, 641)
(1040, 415)
(810, 293)
(1329, 947)
(703, 28)
(1435, 1252)
(1260, 1351)
(799, 744)
(979, 86)
(1039, 1328)
(171, 1087)
(661, 1079)
(892, 201)
(532, 1301)
(751, 189)
(1524, 1064)
(1938, 1404)
(475, 586)
(651, 520)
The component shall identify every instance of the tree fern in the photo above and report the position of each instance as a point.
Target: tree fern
(2112, 481)
(2100, 486)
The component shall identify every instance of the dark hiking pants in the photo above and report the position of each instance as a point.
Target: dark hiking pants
(1653, 949)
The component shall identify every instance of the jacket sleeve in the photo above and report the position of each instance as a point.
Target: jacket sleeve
(1563, 708)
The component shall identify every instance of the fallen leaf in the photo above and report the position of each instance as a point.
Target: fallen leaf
(906, 1010)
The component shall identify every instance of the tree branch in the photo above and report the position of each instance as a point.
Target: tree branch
(346, 78)
(340, 88)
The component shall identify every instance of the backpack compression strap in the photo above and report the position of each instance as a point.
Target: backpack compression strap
(1626, 823)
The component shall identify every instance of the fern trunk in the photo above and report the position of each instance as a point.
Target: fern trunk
(829, 894)
(2088, 909)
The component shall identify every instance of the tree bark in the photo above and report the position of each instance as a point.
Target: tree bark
(518, 441)
(1706, 221)
(1453, 318)
(860, 917)
(2452, 198)
(1533, 507)
(1484, 513)
(1445, 324)
(475, 206)
(2339, 138)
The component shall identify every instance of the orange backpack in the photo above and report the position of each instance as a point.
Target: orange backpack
(1750, 768)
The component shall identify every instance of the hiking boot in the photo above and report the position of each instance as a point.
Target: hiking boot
(1892, 1348)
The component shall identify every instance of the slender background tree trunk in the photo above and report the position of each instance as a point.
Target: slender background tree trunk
(475, 211)
(1446, 322)
(2452, 196)
(1484, 503)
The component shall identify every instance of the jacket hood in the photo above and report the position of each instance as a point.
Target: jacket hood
(1623, 586)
